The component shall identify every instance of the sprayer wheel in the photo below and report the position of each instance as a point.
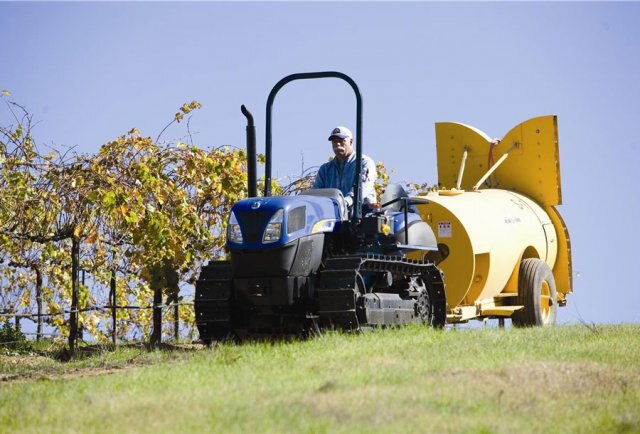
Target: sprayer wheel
(537, 293)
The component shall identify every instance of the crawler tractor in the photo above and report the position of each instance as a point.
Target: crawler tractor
(302, 262)
(298, 263)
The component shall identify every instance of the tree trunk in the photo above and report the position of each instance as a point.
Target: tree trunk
(112, 300)
(39, 302)
(163, 276)
(73, 320)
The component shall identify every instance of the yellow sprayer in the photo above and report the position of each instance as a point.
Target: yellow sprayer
(502, 245)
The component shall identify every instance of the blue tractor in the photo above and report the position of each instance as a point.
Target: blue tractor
(304, 262)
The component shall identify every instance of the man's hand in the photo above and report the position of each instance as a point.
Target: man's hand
(349, 201)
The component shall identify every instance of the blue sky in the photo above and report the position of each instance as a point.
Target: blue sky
(92, 71)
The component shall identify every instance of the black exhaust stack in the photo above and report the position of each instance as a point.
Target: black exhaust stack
(252, 183)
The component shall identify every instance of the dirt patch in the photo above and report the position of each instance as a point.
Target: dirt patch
(51, 372)
(525, 388)
(12, 367)
(568, 378)
(22, 360)
(79, 373)
(556, 378)
(61, 365)
(536, 386)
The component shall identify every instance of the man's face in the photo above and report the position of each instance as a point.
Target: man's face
(342, 147)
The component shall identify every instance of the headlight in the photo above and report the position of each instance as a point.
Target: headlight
(324, 226)
(234, 234)
(273, 230)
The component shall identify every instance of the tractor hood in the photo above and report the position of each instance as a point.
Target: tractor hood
(263, 222)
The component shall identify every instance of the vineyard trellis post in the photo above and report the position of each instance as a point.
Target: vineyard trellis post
(39, 302)
(112, 301)
(73, 318)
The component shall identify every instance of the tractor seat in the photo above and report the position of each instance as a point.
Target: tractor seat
(332, 193)
(393, 192)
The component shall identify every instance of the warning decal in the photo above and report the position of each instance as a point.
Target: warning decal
(444, 229)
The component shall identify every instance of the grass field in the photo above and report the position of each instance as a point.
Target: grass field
(563, 379)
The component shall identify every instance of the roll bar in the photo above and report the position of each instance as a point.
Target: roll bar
(357, 186)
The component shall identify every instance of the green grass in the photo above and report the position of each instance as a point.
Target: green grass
(565, 379)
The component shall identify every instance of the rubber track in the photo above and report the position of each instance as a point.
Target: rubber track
(337, 286)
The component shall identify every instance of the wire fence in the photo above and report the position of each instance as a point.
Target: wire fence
(53, 335)
(92, 309)
(18, 316)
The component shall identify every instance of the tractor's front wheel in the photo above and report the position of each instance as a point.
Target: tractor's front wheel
(537, 293)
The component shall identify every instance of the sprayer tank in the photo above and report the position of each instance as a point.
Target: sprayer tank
(486, 234)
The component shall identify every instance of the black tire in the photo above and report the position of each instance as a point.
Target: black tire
(537, 293)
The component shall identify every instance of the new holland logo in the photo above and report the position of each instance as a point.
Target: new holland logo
(255, 205)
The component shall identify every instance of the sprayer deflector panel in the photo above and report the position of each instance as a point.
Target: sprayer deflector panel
(532, 167)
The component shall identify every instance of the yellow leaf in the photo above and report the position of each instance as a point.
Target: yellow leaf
(161, 197)
(6, 92)
(77, 231)
(131, 218)
(91, 238)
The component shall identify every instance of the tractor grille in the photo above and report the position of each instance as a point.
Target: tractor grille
(253, 224)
